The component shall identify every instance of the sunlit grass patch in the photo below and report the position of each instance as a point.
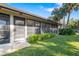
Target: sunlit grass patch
(74, 44)
(47, 43)
(37, 46)
(77, 33)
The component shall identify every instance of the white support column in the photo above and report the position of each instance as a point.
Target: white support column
(26, 29)
(57, 31)
(26, 35)
(41, 29)
(11, 29)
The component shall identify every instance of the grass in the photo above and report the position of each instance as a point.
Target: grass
(58, 46)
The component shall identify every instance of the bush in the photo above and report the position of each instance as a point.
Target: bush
(37, 37)
(33, 38)
(46, 36)
(66, 31)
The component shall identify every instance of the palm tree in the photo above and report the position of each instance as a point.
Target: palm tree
(69, 7)
(63, 13)
(65, 10)
(54, 15)
(59, 13)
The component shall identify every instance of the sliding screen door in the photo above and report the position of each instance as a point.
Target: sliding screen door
(19, 31)
(4, 28)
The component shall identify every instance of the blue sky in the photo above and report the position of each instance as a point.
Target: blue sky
(41, 9)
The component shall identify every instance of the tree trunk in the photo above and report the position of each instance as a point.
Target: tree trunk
(68, 18)
(64, 22)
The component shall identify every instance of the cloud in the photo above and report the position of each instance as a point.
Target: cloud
(41, 7)
(46, 9)
(59, 4)
(49, 9)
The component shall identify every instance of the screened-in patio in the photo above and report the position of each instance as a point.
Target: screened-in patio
(16, 26)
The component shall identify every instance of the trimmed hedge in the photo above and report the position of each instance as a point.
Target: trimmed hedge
(37, 37)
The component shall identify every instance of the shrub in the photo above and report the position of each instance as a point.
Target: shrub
(36, 37)
(46, 36)
(66, 31)
(33, 38)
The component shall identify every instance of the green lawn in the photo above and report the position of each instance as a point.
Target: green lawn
(58, 46)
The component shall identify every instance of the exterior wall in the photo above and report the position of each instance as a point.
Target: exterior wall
(12, 31)
(32, 30)
(29, 17)
(19, 29)
(41, 28)
(47, 28)
(13, 46)
(33, 27)
(54, 29)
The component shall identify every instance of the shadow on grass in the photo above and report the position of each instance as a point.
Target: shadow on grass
(62, 46)
(52, 47)
(64, 49)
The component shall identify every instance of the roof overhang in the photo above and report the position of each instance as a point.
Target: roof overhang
(41, 19)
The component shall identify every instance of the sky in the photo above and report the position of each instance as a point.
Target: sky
(41, 9)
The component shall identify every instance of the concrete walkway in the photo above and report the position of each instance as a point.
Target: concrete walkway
(9, 48)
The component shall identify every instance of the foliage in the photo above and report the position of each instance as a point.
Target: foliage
(46, 36)
(36, 37)
(65, 10)
(58, 14)
(33, 38)
(73, 23)
(66, 31)
(69, 8)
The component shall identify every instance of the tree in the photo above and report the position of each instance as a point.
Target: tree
(57, 14)
(65, 10)
(69, 8)
(73, 23)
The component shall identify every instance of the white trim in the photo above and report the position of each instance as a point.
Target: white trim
(25, 28)
(11, 29)
(41, 29)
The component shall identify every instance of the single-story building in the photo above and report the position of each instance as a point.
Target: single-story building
(16, 25)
